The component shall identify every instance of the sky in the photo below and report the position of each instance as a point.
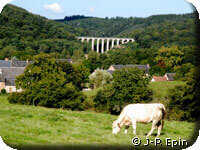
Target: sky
(58, 9)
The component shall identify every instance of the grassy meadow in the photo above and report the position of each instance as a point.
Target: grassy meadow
(29, 125)
(22, 125)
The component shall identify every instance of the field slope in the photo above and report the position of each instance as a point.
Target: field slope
(28, 125)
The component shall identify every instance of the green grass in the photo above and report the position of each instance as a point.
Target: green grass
(161, 90)
(22, 125)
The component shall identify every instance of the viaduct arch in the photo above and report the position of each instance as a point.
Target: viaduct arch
(104, 44)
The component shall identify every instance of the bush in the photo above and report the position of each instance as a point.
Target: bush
(3, 91)
(67, 97)
(130, 85)
(88, 104)
(100, 77)
(23, 98)
(103, 98)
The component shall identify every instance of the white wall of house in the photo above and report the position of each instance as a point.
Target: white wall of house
(2, 85)
(10, 89)
(166, 77)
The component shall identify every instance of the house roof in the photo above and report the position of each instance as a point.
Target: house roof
(170, 76)
(12, 72)
(159, 78)
(4, 63)
(19, 63)
(9, 74)
(13, 63)
(143, 67)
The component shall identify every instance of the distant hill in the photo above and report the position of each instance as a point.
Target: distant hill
(24, 34)
(153, 31)
(115, 26)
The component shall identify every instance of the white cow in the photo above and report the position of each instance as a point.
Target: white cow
(142, 113)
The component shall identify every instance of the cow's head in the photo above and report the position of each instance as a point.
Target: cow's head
(116, 127)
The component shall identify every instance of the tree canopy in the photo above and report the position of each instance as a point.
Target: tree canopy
(47, 82)
(24, 34)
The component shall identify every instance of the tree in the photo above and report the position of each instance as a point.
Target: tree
(44, 84)
(78, 56)
(130, 85)
(183, 71)
(184, 101)
(100, 78)
(81, 75)
(25, 30)
(115, 57)
(93, 60)
(7, 52)
(170, 57)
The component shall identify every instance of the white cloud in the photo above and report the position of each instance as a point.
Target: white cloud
(55, 7)
(91, 9)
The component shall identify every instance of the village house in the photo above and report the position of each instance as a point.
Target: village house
(9, 70)
(8, 76)
(170, 76)
(166, 77)
(112, 68)
(158, 79)
(14, 63)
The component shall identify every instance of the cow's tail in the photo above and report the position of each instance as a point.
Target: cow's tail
(164, 113)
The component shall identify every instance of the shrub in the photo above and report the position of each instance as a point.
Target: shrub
(23, 98)
(103, 98)
(88, 104)
(100, 77)
(3, 91)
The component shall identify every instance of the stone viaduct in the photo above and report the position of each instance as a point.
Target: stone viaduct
(110, 42)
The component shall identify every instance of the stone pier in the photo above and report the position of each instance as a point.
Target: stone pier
(101, 40)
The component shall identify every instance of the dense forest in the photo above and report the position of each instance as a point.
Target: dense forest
(107, 27)
(23, 34)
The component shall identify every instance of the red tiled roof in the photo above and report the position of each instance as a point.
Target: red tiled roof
(159, 78)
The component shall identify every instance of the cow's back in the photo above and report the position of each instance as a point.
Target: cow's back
(144, 113)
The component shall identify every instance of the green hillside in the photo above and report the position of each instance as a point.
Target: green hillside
(116, 26)
(28, 125)
(24, 34)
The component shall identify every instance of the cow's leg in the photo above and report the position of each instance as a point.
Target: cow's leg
(159, 128)
(152, 128)
(134, 127)
(126, 129)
